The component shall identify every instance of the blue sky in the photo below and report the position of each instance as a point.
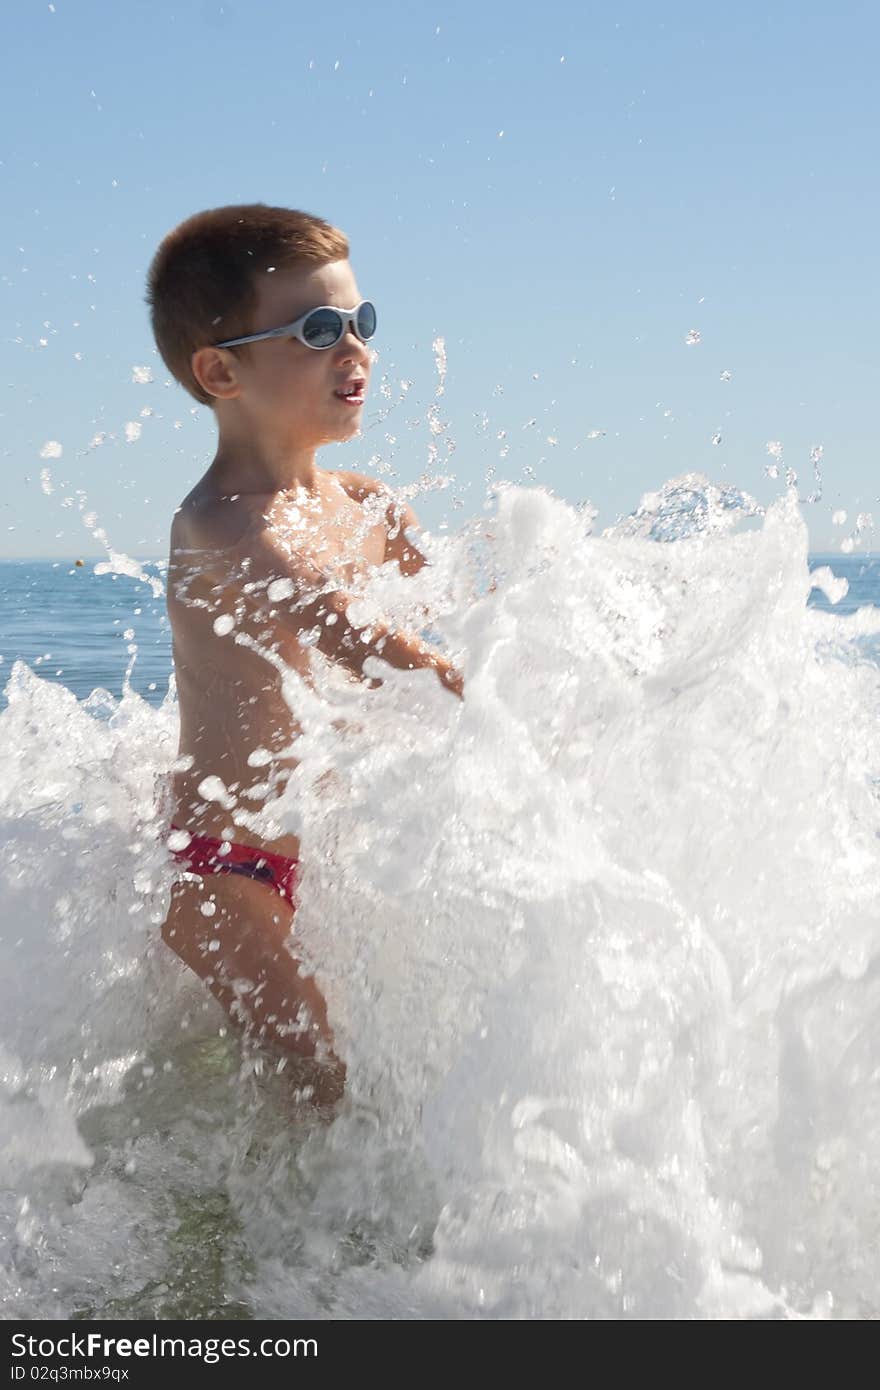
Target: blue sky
(561, 193)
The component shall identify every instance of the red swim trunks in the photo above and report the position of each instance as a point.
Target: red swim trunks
(206, 855)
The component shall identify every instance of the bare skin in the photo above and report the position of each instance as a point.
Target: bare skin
(265, 512)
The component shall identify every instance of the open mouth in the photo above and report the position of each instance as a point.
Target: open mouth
(353, 394)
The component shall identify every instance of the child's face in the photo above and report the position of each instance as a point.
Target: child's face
(288, 387)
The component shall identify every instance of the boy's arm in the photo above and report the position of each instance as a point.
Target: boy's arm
(401, 518)
(291, 589)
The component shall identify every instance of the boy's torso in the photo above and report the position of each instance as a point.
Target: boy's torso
(229, 694)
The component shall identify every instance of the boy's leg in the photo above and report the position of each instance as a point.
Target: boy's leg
(240, 951)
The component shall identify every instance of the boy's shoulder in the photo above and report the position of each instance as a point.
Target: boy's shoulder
(361, 488)
(357, 485)
(396, 514)
(206, 519)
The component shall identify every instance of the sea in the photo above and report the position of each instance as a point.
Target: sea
(600, 945)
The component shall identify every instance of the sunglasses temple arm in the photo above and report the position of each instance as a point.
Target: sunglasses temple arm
(255, 337)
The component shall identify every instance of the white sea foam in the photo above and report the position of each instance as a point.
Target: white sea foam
(599, 946)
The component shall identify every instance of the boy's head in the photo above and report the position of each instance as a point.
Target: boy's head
(232, 271)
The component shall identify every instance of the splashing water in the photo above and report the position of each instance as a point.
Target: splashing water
(598, 946)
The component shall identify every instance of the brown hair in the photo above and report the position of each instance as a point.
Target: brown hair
(201, 286)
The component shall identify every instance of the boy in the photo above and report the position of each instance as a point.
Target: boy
(256, 312)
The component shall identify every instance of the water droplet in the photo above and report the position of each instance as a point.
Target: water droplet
(279, 589)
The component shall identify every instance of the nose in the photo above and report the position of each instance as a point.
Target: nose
(352, 348)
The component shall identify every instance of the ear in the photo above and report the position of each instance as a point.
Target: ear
(215, 371)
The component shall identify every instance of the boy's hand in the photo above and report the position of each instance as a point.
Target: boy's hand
(452, 679)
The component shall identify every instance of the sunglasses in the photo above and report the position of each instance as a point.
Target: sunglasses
(320, 328)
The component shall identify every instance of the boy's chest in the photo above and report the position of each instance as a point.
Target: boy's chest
(345, 539)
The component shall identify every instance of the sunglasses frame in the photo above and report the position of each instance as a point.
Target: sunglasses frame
(295, 329)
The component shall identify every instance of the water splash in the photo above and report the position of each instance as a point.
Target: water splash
(687, 506)
(599, 945)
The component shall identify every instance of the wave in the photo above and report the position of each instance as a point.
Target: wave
(599, 946)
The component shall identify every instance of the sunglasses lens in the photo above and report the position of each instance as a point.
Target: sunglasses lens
(366, 320)
(323, 328)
